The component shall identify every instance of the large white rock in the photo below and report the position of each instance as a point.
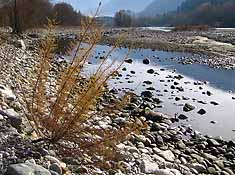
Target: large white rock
(167, 155)
(148, 167)
(7, 93)
(26, 169)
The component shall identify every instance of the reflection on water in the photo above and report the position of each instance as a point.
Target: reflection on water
(166, 66)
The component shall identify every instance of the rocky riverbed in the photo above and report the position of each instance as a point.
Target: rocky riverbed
(217, 45)
(162, 148)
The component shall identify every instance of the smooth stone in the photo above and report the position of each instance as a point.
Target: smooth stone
(155, 116)
(159, 140)
(147, 94)
(164, 172)
(213, 142)
(55, 167)
(214, 103)
(70, 161)
(209, 156)
(7, 93)
(188, 107)
(147, 82)
(148, 167)
(211, 170)
(182, 117)
(82, 170)
(133, 150)
(1, 117)
(181, 145)
(150, 71)
(183, 160)
(197, 157)
(13, 116)
(202, 111)
(167, 155)
(199, 167)
(158, 158)
(146, 61)
(26, 169)
(129, 61)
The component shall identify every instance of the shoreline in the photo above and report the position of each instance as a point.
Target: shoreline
(218, 50)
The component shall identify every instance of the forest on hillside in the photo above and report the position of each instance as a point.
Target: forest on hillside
(25, 14)
(214, 13)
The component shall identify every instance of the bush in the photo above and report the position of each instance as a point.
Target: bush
(191, 28)
(62, 107)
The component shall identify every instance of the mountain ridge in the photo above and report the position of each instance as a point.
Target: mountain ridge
(111, 7)
(160, 7)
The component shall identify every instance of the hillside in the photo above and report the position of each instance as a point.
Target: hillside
(214, 13)
(159, 7)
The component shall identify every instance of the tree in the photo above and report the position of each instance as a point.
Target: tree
(123, 18)
(66, 15)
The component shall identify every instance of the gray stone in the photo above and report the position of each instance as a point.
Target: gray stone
(133, 150)
(188, 107)
(7, 93)
(26, 169)
(167, 155)
(82, 170)
(146, 61)
(202, 111)
(213, 142)
(148, 167)
(56, 167)
(211, 170)
(13, 116)
(182, 117)
(199, 167)
(181, 145)
(197, 157)
(53, 172)
(164, 172)
(209, 156)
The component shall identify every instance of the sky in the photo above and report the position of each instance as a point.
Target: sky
(88, 7)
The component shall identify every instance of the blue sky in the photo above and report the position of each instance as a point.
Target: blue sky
(85, 6)
(109, 6)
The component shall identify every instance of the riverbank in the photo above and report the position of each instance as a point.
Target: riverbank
(217, 45)
(161, 148)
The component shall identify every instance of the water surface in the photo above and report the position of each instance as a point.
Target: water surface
(197, 81)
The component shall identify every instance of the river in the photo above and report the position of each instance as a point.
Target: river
(198, 80)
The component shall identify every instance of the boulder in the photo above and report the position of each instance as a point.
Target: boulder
(7, 93)
(26, 169)
(13, 116)
(148, 167)
(167, 155)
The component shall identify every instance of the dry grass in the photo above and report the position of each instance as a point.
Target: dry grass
(61, 107)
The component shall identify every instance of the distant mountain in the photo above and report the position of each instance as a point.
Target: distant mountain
(111, 7)
(213, 13)
(159, 7)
